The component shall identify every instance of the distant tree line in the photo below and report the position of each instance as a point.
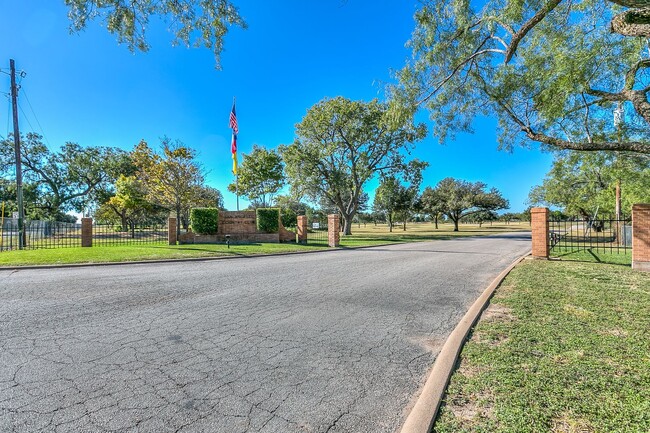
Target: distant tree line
(115, 186)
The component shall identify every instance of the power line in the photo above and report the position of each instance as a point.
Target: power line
(25, 117)
(36, 118)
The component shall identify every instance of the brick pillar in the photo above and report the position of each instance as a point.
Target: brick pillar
(641, 237)
(86, 232)
(301, 229)
(539, 224)
(171, 231)
(333, 230)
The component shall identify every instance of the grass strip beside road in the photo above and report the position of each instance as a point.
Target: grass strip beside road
(361, 237)
(563, 347)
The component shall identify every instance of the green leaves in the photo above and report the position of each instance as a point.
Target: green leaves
(584, 183)
(69, 179)
(260, 176)
(460, 198)
(193, 22)
(340, 145)
(548, 69)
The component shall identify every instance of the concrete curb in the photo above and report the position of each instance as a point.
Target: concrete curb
(423, 414)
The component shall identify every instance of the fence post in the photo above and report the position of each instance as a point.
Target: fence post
(171, 231)
(86, 232)
(539, 224)
(641, 237)
(301, 229)
(333, 228)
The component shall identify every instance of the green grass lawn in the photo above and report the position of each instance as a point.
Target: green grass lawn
(362, 236)
(595, 256)
(563, 347)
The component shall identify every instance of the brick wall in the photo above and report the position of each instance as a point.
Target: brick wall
(641, 237)
(171, 231)
(86, 232)
(539, 224)
(237, 222)
(242, 228)
(333, 230)
(301, 229)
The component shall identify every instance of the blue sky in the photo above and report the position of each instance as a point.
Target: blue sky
(86, 88)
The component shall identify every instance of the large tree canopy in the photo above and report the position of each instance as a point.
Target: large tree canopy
(340, 145)
(172, 177)
(553, 71)
(260, 176)
(460, 198)
(193, 22)
(65, 180)
(585, 184)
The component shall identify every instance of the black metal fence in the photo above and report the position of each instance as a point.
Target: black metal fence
(40, 234)
(605, 235)
(317, 234)
(114, 234)
(56, 234)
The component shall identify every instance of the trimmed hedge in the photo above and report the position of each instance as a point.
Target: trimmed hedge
(289, 218)
(204, 220)
(268, 220)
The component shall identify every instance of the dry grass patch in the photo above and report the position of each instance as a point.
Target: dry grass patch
(498, 313)
(567, 424)
(472, 408)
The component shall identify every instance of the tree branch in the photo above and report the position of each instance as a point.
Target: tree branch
(528, 26)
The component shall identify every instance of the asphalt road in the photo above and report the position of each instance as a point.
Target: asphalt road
(338, 341)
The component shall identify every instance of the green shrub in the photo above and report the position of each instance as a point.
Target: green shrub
(204, 220)
(267, 220)
(289, 218)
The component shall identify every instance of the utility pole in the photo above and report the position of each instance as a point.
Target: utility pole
(19, 167)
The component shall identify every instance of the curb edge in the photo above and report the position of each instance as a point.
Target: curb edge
(424, 412)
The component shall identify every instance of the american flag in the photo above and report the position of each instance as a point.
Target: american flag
(233, 120)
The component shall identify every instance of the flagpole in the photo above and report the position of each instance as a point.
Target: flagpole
(235, 131)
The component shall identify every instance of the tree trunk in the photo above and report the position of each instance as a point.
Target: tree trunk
(455, 225)
(404, 224)
(390, 223)
(435, 219)
(347, 225)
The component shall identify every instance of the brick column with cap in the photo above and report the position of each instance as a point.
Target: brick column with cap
(333, 230)
(539, 224)
(86, 232)
(301, 229)
(171, 231)
(641, 237)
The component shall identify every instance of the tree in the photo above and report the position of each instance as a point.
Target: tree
(129, 204)
(460, 198)
(172, 178)
(391, 197)
(193, 22)
(552, 71)
(260, 176)
(432, 204)
(340, 145)
(68, 179)
(585, 183)
(394, 198)
(201, 196)
(290, 208)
